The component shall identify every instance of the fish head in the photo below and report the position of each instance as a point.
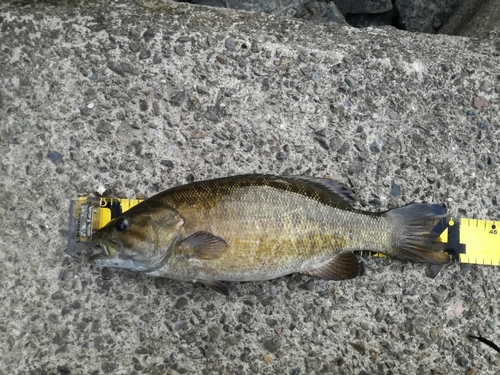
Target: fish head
(140, 239)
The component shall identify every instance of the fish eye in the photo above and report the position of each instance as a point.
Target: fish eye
(121, 224)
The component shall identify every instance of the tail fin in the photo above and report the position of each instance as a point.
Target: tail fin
(413, 238)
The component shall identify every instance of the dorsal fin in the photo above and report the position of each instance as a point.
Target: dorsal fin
(339, 192)
(325, 191)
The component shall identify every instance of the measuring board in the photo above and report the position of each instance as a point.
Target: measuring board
(468, 240)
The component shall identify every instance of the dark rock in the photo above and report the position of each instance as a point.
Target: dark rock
(271, 322)
(309, 285)
(280, 156)
(322, 142)
(156, 108)
(355, 168)
(55, 157)
(345, 148)
(272, 344)
(97, 27)
(265, 84)
(229, 43)
(426, 15)
(350, 82)
(255, 47)
(181, 303)
(313, 365)
(63, 369)
(363, 6)
(57, 295)
(484, 125)
(135, 47)
(244, 317)
(149, 34)
(104, 127)
(183, 39)
(178, 98)
(98, 343)
(335, 143)
(321, 132)
(143, 105)
(134, 34)
(179, 50)
(360, 346)
(144, 54)
(333, 14)
(180, 326)
(287, 8)
(379, 314)
(108, 367)
(212, 114)
(128, 68)
(395, 189)
(462, 361)
(433, 270)
(106, 274)
(157, 59)
(292, 285)
(374, 147)
(370, 20)
(214, 332)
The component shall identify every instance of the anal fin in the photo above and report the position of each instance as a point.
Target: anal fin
(342, 267)
(219, 286)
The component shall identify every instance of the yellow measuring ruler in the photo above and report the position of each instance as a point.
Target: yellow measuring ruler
(473, 241)
(467, 240)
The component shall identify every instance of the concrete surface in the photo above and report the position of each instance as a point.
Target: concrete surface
(136, 98)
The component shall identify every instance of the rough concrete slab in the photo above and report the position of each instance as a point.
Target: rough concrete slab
(136, 98)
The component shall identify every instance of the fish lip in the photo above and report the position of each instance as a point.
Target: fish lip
(112, 249)
(98, 257)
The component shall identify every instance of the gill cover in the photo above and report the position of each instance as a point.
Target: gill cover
(140, 239)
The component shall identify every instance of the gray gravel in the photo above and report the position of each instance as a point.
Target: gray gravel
(136, 98)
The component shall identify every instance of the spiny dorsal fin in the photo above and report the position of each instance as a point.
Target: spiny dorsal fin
(219, 286)
(203, 245)
(342, 267)
(339, 192)
(327, 191)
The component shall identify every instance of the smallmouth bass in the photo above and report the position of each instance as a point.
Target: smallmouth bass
(260, 227)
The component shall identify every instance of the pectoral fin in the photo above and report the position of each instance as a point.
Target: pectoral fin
(202, 245)
(219, 286)
(342, 267)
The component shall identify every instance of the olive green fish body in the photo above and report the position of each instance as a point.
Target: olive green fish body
(271, 233)
(259, 227)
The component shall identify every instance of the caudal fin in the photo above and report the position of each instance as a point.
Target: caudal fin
(414, 240)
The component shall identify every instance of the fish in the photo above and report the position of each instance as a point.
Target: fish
(261, 227)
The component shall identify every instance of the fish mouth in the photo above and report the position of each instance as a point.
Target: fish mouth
(115, 256)
(111, 251)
